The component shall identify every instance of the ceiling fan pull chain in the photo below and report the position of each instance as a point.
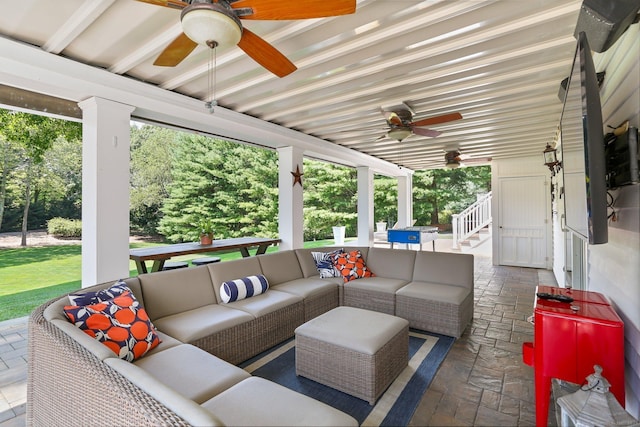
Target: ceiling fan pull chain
(211, 76)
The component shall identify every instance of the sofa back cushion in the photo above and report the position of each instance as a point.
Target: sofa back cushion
(221, 272)
(392, 263)
(308, 265)
(443, 267)
(175, 291)
(280, 267)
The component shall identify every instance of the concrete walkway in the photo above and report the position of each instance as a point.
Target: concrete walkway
(13, 372)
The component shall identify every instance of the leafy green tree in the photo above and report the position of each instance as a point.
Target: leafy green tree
(233, 185)
(439, 193)
(10, 155)
(59, 187)
(35, 134)
(385, 196)
(330, 198)
(151, 165)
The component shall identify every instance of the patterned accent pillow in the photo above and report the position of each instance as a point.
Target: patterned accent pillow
(324, 263)
(120, 324)
(88, 298)
(246, 287)
(352, 266)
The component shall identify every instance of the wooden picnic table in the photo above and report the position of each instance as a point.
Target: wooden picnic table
(160, 254)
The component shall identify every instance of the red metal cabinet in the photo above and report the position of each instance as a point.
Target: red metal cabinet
(568, 342)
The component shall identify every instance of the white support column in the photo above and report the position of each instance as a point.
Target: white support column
(105, 190)
(290, 202)
(365, 206)
(405, 200)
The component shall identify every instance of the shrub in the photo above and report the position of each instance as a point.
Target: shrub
(63, 227)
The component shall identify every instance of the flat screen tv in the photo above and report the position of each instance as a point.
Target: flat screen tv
(583, 159)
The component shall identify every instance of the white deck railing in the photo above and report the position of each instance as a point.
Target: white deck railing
(471, 220)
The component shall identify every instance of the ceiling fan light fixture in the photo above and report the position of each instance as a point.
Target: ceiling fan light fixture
(452, 164)
(205, 23)
(399, 133)
(452, 159)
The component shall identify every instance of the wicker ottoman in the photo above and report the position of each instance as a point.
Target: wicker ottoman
(356, 351)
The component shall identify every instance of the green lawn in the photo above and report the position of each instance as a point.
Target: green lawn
(31, 276)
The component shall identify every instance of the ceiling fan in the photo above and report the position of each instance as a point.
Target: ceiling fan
(454, 159)
(399, 119)
(216, 23)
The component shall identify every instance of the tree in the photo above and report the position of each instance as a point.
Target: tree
(235, 186)
(60, 184)
(385, 196)
(439, 193)
(35, 135)
(330, 198)
(10, 155)
(151, 164)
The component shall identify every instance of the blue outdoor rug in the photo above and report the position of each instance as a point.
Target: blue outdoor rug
(397, 404)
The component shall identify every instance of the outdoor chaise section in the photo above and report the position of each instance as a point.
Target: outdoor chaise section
(190, 378)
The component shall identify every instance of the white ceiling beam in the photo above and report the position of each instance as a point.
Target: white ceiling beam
(27, 67)
(85, 15)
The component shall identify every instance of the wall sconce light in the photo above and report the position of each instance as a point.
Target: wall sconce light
(551, 159)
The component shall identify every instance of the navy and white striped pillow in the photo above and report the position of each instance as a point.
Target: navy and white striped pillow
(238, 289)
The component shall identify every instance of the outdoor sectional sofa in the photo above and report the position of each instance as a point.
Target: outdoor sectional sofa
(191, 377)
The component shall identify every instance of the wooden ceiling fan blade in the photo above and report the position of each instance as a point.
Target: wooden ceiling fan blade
(438, 119)
(177, 50)
(426, 132)
(299, 9)
(265, 54)
(174, 4)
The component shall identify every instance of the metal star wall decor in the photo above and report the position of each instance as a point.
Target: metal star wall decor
(297, 176)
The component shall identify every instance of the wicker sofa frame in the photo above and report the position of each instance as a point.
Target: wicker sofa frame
(61, 369)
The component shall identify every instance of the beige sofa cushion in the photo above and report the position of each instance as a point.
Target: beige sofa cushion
(280, 267)
(377, 283)
(392, 263)
(266, 303)
(166, 342)
(445, 268)
(182, 406)
(258, 402)
(176, 291)
(307, 264)
(435, 292)
(192, 325)
(307, 287)
(221, 272)
(192, 372)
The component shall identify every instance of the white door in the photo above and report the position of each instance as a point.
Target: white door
(523, 221)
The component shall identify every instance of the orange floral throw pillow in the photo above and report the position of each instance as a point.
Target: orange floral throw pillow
(351, 265)
(119, 323)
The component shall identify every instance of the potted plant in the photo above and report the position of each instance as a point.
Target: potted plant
(206, 232)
